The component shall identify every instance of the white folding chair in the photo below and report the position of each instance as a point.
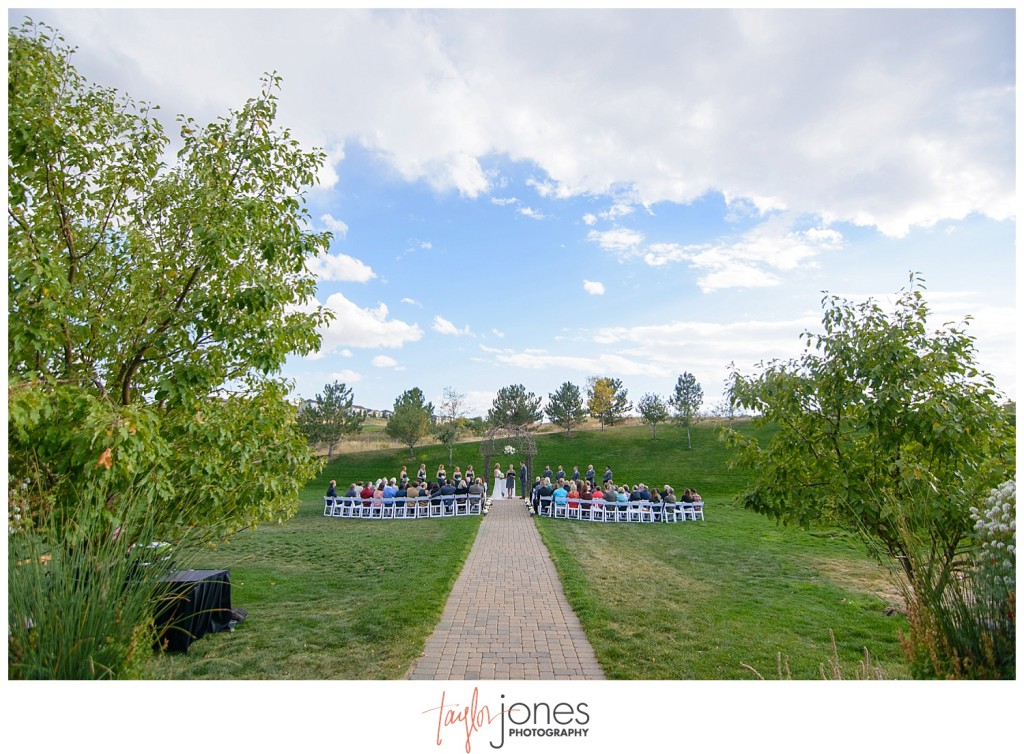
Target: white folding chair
(573, 510)
(686, 511)
(345, 507)
(559, 510)
(436, 507)
(461, 504)
(698, 509)
(475, 504)
(545, 507)
(400, 510)
(633, 511)
(329, 505)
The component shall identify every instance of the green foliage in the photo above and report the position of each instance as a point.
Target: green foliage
(453, 424)
(411, 419)
(969, 629)
(607, 400)
(150, 307)
(513, 406)
(330, 417)
(82, 609)
(886, 429)
(686, 400)
(883, 426)
(654, 411)
(142, 281)
(565, 407)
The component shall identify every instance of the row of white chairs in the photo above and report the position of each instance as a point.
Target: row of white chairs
(638, 511)
(396, 507)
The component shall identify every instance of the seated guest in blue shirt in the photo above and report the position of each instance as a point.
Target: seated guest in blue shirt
(560, 495)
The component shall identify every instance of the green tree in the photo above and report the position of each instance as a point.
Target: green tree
(885, 428)
(607, 400)
(654, 411)
(451, 425)
(565, 407)
(411, 419)
(150, 306)
(513, 406)
(686, 400)
(330, 417)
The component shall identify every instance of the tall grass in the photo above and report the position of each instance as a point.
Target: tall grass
(82, 597)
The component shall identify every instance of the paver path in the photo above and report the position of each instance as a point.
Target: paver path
(507, 616)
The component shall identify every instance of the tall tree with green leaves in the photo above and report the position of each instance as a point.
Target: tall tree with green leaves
(450, 425)
(565, 407)
(150, 308)
(607, 400)
(686, 400)
(151, 305)
(330, 417)
(654, 411)
(884, 427)
(513, 406)
(411, 419)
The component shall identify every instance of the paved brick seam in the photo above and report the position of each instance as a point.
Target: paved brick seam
(507, 617)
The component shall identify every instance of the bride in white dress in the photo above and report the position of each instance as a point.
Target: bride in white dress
(498, 493)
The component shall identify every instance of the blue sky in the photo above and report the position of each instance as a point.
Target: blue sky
(534, 197)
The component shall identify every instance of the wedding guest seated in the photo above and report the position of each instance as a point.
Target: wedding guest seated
(668, 494)
(586, 493)
(367, 492)
(621, 496)
(560, 495)
(332, 489)
(610, 493)
(645, 494)
(476, 488)
(634, 496)
(353, 490)
(545, 490)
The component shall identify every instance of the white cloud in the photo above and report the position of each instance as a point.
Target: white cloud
(863, 115)
(412, 302)
(621, 240)
(498, 333)
(504, 201)
(337, 227)
(589, 219)
(347, 376)
(593, 287)
(363, 328)
(445, 327)
(531, 213)
(382, 362)
(340, 267)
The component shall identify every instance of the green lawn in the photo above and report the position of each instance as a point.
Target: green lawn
(334, 598)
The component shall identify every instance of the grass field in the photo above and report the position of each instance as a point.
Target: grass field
(340, 599)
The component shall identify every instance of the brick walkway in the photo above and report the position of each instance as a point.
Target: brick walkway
(507, 617)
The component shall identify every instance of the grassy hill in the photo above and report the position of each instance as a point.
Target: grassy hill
(332, 598)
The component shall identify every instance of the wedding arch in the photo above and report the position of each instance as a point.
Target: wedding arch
(510, 442)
